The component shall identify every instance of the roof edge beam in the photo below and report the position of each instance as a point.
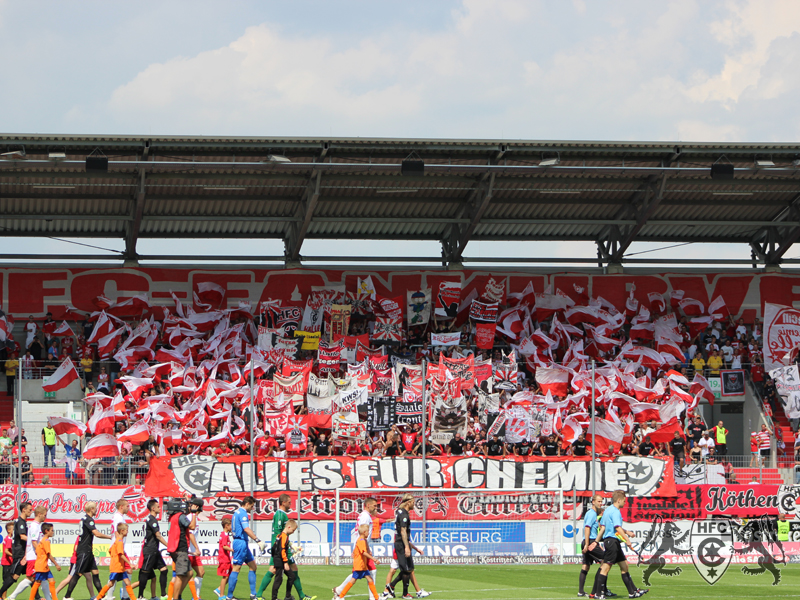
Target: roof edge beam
(296, 234)
(135, 223)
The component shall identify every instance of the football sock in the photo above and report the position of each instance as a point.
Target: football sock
(298, 586)
(346, 588)
(626, 579)
(234, 579)
(264, 583)
(23, 585)
(251, 579)
(582, 581)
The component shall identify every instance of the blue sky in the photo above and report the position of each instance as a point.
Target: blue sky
(514, 69)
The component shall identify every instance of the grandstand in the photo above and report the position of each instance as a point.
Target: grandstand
(336, 351)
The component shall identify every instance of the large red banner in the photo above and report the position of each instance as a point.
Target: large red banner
(37, 291)
(207, 476)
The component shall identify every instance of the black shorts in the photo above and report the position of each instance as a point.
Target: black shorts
(153, 561)
(85, 563)
(593, 556)
(16, 568)
(404, 563)
(766, 451)
(613, 553)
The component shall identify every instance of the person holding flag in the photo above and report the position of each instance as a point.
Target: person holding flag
(73, 455)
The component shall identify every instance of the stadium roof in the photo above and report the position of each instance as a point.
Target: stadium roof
(610, 193)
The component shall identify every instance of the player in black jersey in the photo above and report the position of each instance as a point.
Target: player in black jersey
(18, 546)
(403, 545)
(84, 555)
(152, 560)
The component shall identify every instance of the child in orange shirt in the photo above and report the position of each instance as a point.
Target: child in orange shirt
(41, 567)
(361, 563)
(120, 564)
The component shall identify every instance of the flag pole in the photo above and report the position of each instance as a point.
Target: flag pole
(424, 473)
(594, 456)
(18, 392)
(252, 430)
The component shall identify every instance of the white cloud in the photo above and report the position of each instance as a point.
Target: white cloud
(497, 70)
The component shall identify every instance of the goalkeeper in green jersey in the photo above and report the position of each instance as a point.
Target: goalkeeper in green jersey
(278, 524)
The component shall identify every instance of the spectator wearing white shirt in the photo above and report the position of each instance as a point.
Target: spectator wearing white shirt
(706, 445)
(741, 329)
(727, 352)
(712, 346)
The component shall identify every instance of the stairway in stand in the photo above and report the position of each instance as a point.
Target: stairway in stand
(784, 431)
(6, 407)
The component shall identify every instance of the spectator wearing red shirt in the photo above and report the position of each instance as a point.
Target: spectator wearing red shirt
(266, 446)
(223, 450)
(353, 449)
(409, 439)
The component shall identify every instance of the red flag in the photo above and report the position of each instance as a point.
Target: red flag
(718, 309)
(675, 298)
(554, 380)
(64, 426)
(63, 330)
(701, 387)
(101, 446)
(644, 411)
(61, 377)
(642, 331)
(698, 325)
(296, 434)
(137, 433)
(657, 304)
(666, 432)
(672, 349)
(608, 436)
(484, 335)
(210, 293)
(570, 430)
(691, 307)
(102, 421)
(136, 385)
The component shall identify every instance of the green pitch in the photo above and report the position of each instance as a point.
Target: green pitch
(523, 582)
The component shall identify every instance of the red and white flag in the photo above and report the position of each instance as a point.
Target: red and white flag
(554, 380)
(101, 446)
(645, 411)
(672, 349)
(61, 377)
(642, 331)
(699, 325)
(63, 330)
(666, 432)
(102, 421)
(210, 293)
(701, 387)
(64, 426)
(691, 307)
(136, 386)
(656, 300)
(571, 429)
(675, 298)
(608, 436)
(718, 309)
(137, 433)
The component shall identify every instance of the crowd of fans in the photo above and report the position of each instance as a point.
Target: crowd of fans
(726, 343)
